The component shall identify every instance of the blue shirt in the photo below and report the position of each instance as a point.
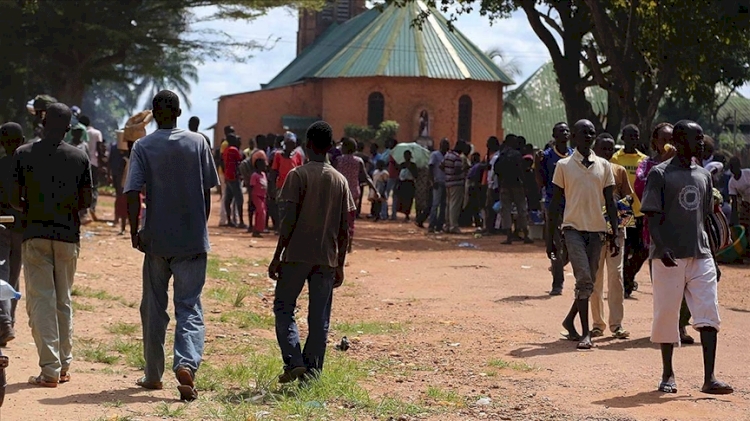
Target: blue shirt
(177, 168)
(550, 158)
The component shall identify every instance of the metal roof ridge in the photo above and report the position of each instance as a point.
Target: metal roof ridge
(445, 41)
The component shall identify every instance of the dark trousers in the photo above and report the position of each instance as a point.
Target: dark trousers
(490, 216)
(559, 262)
(636, 254)
(437, 211)
(292, 279)
(234, 193)
(273, 210)
(474, 206)
(10, 271)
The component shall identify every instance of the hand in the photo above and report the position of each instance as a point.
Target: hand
(551, 250)
(338, 279)
(274, 268)
(668, 259)
(613, 246)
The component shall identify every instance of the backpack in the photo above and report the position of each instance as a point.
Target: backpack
(507, 166)
(246, 170)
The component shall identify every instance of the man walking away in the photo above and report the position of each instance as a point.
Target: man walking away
(437, 212)
(509, 171)
(174, 240)
(193, 125)
(493, 190)
(53, 183)
(455, 180)
(604, 148)
(545, 171)
(312, 247)
(11, 237)
(635, 251)
(677, 199)
(587, 184)
(94, 144)
(232, 158)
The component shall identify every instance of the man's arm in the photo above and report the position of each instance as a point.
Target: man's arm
(538, 171)
(209, 175)
(289, 218)
(207, 202)
(134, 211)
(555, 211)
(16, 189)
(85, 188)
(363, 173)
(734, 200)
(611, 206)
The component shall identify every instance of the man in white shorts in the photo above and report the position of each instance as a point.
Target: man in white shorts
(677, 199)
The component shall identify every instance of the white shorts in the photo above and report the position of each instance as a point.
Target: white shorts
(696, 279)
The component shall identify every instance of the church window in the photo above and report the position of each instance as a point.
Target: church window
(375, 109)
(464, 118)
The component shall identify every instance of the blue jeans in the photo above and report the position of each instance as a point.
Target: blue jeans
(584, 251)
(292, 278)
(437, 213)
(189, 277)
(389, 187)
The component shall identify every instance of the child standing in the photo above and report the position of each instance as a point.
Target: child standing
(259, 187)
(380, 178)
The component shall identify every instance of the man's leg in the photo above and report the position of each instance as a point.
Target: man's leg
(292, 278)
(522, 225)
(238, 201)
(154, 316)
(579, 246)
(388, 189)
(455, 200)
(668, 287)
(638, 255)
(597, 297)
(506, 202)
(189, 278)
(228, 198)
(558, 264)
(223, 217)
(6, 320)
(318, 318)
(702, 298)
(436, 198)
(394, 198)
(66, 260)
(15, 270)
(615, 287)
(41, 306)
(94, 191)
(493, 195)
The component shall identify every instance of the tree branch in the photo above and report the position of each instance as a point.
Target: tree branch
(551, 22)
(534, 17)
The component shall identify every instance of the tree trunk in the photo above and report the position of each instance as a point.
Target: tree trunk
(614, 115)
(72, 90)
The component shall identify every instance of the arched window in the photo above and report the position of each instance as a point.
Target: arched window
(375, 109)
(464, 118)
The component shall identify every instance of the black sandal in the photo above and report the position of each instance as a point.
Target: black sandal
(668, 387)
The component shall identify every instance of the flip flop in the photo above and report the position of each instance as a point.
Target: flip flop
(718, 388)
(568, 337)
(668, 387)
(584, 345)
(142, 382)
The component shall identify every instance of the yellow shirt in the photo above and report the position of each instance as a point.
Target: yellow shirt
(584, 187)
(630, 161)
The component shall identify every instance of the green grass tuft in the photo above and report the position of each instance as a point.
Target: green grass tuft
(245, 319)
(445, 397)
(513, 365)
(166, 410)
(121, 328)
(78, 306)
(368, 328)
(92, 351)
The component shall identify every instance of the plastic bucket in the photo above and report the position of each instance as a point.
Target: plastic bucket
(737, 249)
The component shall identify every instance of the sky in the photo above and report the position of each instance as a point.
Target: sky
(513, 36)
(216, 78)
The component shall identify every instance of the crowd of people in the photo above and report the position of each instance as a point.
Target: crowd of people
(600, 206)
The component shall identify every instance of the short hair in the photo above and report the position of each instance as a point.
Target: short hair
(85, 120)
(194, 122)
(348, 145)
(58, 113)
(461, 146)
(510, 136)
(166, 99)
(320, 136)
(11, 129)
(559, 123)
(631, 128)
(605, 135)
(228, 129)
(521, 140)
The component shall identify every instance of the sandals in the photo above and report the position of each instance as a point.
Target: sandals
(64, 377)
(142, 382)
(42, 382)
(186, 387)
(596, 332)
(668, 387)
(717, 388)
(585, 344)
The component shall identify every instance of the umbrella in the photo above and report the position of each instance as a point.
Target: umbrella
(419, 154)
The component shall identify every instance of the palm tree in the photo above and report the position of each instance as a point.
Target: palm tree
(511, 68)
(175, 71)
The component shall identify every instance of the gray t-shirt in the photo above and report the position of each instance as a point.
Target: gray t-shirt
(176, 167)
(684, 197)
(436, 158)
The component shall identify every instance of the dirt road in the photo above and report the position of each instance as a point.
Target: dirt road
(436, 328)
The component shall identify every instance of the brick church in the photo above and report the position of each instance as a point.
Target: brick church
(362, 66)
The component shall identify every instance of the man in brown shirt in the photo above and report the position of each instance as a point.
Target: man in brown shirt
(605, 148)
(312, 246)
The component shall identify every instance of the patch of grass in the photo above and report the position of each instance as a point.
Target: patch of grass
(368, 328)
(100, 294)
(112, 371)
(218, 269)
(132, 350)
(240, 295)
(115, 418)
(94, 352)
(121, 328)
(245, 319)
(113, 404)
(513, 365)
(223, 294)
(445, 397)
(78, 306)
(166, 410)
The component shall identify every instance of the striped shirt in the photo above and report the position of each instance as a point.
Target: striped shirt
(454, 169)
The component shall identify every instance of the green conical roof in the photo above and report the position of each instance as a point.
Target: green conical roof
(386, 43)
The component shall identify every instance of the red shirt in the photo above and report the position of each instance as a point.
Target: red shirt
(232, 158)
(282, 165)
(392, 168)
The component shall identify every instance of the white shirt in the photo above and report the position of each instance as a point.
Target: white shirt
(95, 138)
(741, 187)
(492, 177)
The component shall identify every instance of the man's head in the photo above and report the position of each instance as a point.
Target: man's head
(348, 146)
(233, 140)
(460, 147)
(583, 135)
(661, 136)
(475, 158)
(77, 134)
(708, 148)
(251, 143)
(630, 137)
(56, 121)
(445, 145)
(260, 141)
(166, 107)
(194, 123)
(687, 137)
(407, 156)
(493, 144)
(11, 137)
(320, 137)
(561, 133)
(85, 120)
(735, 166)
(604, 146)
(373, 148)
(510, 141)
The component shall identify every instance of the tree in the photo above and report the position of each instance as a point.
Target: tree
(638, 50)
(175, 72)
(509, 67)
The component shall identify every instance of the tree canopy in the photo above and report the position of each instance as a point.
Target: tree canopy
(640, 51)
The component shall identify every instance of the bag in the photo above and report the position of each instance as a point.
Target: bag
(507, 166)
(718, 229)
(246, 170)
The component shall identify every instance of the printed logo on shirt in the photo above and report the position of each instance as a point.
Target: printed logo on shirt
(690, 198)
